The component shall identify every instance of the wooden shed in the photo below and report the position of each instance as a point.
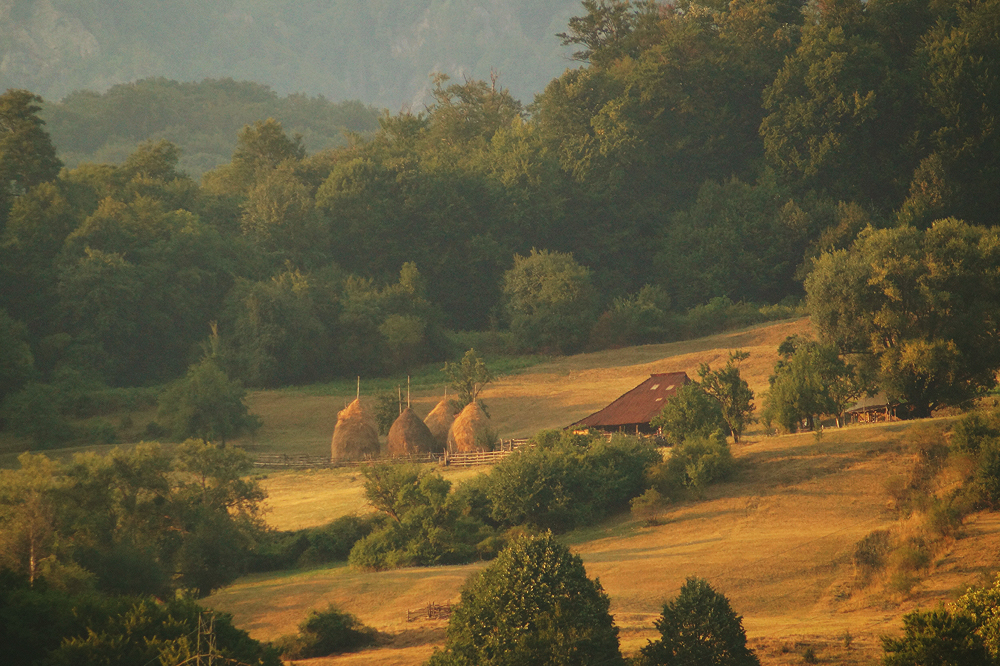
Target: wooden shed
(874, 409)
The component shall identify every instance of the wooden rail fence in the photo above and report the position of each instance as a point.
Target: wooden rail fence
(430, 612)
(306, 461)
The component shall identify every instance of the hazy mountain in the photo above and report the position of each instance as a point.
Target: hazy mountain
(380, 52)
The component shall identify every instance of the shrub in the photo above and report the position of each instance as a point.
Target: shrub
(647, 507)
(914, 555)
(533, 605)
(988, 473)
(324, 633)
(694, 465)
(944, 516)
(316, 545)
(425, 526)
(972, 431)
(333, 542)
(699, 627)
(568, 479)
(935, 637)
(982, 604)
(901, 582)
(870, 552)
(639, 319)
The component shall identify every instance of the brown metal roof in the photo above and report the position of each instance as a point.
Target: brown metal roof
(640, 404)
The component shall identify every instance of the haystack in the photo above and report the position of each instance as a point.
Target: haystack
(355, 436)
(439, 422)
(408, 435)
(471, 431)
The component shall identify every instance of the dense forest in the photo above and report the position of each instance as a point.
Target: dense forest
(377, 51)
(699, 157)
(201, 119)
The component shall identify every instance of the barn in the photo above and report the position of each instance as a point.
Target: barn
(632, 412)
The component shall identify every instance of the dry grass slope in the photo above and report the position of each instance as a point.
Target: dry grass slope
(550, 395)
(778, 540)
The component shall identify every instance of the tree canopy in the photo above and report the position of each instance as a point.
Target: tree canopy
(916, 306)
(533, 604)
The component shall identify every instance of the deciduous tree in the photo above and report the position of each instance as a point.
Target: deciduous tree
(731, 391)
(533, 605)
(917, 308)
(699, 627)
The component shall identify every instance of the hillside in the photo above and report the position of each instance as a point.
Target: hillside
(552, 394)
(381, 53)
(778, 540)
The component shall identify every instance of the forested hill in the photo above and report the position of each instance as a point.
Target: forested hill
(381, 52)
(201, 119)
(697, 157)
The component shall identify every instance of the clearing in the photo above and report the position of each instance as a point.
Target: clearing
(778, 540)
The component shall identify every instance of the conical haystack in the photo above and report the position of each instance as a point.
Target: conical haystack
(471, 431)
(355, 436)
(408, 435)
(439, 422)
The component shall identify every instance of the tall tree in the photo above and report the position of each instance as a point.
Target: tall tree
(27, 156)
(550, 301)
(917, 308)
(731, 391)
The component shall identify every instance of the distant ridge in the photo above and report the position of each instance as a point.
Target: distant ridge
(379, 52)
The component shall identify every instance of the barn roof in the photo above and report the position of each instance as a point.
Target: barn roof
(640, 404)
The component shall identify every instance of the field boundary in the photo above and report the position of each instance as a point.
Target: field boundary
(468, 459)
(431, 611)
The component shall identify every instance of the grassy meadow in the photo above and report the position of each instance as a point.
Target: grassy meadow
(778, 539)
(549, 394)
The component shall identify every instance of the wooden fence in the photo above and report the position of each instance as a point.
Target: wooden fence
(305, 461)
(430, 612)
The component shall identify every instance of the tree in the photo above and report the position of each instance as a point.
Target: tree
(279, 216)
(611, 29)
(278, 331)
(533, 605)
(690, 413)
(936, 638)
(916, 309)
(29, 532)
(218, 511)
(731, 391)
(468, 377)
(699, 627)
(206, 404)
(17, 365)
(550, 301)
(27, 156)
(260, 148)
(809, 380)
(837, 117)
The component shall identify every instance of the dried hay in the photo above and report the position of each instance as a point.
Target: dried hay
(439, 422)
(408, 435)
(471, 431)
(355, 437)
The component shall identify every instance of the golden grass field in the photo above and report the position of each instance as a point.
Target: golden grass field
(777, 540)
(550, 395)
